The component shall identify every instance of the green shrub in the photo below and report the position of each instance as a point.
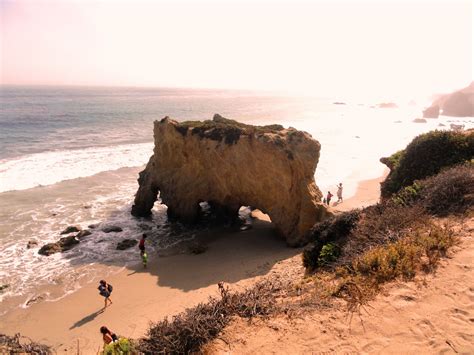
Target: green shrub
(408, 195)
(425, 156)
(122, 347)
(329, 253)
(385, 263)
(333, 231)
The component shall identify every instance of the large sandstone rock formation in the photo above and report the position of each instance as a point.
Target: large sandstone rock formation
(229, 165)
(457, 104)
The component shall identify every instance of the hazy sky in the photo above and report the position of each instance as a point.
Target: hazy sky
(324, 48)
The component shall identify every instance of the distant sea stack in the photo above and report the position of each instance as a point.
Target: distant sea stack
(229, 164)
(457, 104)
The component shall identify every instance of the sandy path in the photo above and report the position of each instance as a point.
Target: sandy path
(434, 314)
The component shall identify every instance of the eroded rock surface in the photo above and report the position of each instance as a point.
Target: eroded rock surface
(229, 165)
(457, 104)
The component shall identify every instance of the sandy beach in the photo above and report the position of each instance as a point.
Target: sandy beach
(168, 286)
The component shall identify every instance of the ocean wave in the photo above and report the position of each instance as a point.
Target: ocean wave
(47, 168)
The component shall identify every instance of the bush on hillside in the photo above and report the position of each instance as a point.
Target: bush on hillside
(425, 156)
(450, 192)
(328, 236)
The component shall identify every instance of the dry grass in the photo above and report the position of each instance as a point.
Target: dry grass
(189, 331)
(419, 250)
(21, 345)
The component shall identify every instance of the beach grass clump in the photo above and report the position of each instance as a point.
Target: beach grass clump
(420, 250)
(425, 156)
(18, 344)
(188, 331)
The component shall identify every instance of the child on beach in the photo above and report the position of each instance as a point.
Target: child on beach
(144, 259)
(141, 244)
(328, 197)
(105, 290)
(339, 192)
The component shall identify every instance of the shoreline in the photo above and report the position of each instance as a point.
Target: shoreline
(168, 286)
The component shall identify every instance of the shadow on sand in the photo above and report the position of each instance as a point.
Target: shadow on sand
(230, 256)
(87, 319)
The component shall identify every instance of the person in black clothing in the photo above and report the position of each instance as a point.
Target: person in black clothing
(105, 290)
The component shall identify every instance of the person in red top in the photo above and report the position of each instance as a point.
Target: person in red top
(328, 198)
(141, 244)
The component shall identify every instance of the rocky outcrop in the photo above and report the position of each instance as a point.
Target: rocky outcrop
(229, 165)
(457, 104)
(64, 244)
(387, 105)
(31, 244)
(126, 244)
(110, 229)
(71, 229)
(419, 120)
(431, 112)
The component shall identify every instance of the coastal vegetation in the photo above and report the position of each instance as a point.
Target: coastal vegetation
(425, 156)
(187, 332)
(224, 129)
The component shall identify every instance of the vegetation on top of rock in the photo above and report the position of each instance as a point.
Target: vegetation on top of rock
(220, 128)
(425, 156)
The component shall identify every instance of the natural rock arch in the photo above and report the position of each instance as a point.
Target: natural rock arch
(230, 165)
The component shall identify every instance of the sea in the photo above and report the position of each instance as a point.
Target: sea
(71, 156)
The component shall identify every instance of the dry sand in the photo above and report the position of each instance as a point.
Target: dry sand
(431, 315)
(166, 287)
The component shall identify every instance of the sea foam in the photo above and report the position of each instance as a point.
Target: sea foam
(48, 168)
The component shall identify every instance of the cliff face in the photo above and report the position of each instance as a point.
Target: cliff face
(456, 104)
(229, 165)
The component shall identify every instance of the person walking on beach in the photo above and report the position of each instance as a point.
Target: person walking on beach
(107, 335)
(339, 192)
(141, 244)
(328, 197)
(105, 290)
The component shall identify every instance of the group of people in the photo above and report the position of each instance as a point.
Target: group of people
(327, 199)
(105, 290)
